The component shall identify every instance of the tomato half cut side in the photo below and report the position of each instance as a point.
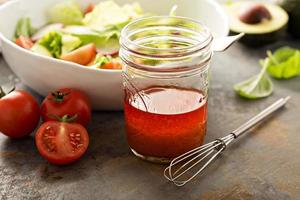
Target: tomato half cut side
(61, 143)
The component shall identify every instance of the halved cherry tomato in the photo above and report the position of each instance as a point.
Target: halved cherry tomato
(67, 101)
(91, 63)
(24, 42)
(19, 114)
(112, 65)
(89, 9)
(61, 143)
(82, 55)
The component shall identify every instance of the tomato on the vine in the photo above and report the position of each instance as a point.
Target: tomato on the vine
(61, 143)
(67, 101)
(19, 113)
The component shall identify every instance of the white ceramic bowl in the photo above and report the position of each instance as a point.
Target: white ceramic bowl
(104, 87)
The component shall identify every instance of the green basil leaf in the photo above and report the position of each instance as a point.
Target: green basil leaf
(258, 86)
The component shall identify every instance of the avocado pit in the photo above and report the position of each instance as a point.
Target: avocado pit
(254, 14)
(262, 23)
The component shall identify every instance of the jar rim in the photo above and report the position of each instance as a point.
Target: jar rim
(182, 28)
(196, 47)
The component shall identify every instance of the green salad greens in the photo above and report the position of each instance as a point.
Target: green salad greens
(24, 28)
(100, 39)
(70, 27)
(108, 15)
(101, 60)
(86, 36)
(257, 86)
(284, 63)
(69, 43)
(53, 43)
(37, 48)
(67, 13)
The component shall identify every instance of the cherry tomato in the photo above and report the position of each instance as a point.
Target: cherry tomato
(112, 65)
(82, 55)
(61, 143)
(91, 63)
(67, 101)
(24, 42)
(89, 9)
(19, 114)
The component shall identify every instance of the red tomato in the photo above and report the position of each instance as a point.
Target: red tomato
(19, 114)
(91, 63)
(82, 55)
(67, 101)
(24, 42)
(61, 143)
(112, 65)
(89, 9)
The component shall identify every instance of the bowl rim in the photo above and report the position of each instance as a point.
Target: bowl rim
(3, 39)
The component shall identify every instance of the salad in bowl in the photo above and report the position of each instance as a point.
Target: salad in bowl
(53, 44)
(89, 37)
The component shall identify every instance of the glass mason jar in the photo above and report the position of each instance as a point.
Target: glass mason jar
(165, 76)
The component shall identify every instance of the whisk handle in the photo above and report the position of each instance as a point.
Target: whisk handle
(260, 116)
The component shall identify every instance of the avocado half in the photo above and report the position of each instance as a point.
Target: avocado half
(262, 33)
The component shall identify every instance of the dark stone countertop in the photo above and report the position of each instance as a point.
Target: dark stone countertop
(262, 165)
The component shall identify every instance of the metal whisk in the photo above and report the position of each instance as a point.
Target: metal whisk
(180, 169)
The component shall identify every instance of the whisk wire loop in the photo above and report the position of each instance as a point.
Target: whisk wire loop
(174, 173)
(177, 171)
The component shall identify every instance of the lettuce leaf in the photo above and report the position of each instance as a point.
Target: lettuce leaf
(24, 28)
(108, 14)
(39, 49)
(101, 60)
(67, 12)
(100, 39)
(69, 43)
(258, 86)
(53, 43)
(284, 63)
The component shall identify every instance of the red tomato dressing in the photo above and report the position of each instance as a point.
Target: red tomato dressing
(174, 122)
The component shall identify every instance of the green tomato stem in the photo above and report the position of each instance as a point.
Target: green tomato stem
(68, 118)
(65, 118)
(59, 96)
